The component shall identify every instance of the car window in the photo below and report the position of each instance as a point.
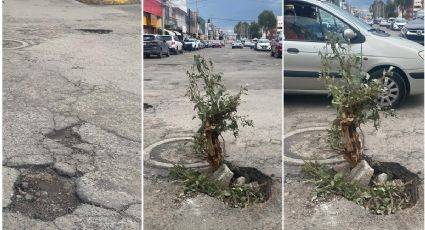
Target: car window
(166, 38)
(302, 23)
(176, 38)
(148, 38)
(332, 24)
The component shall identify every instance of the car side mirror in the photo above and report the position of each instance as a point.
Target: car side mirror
(349, 34)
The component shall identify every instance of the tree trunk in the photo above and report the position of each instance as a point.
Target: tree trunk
(215, 155)
(351, 141)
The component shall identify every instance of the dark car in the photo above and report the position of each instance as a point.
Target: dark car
(276, 47)
(414, 30)
(154, 44)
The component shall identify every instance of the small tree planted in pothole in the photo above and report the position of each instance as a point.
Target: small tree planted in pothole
(354, 96)
(216, 109)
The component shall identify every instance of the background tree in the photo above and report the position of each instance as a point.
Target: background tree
(267, 21)
(254, 30)
(403, 5)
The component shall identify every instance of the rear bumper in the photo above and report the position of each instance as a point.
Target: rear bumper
(151, 50)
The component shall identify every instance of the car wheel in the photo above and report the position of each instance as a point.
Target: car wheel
(168, 53)
(272, 53)
(160, 54)
(394, 90)
(148, 55)
(176, 52)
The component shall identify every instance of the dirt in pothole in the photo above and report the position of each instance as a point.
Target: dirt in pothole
(42, 194)
(253, 175)
(396, 171)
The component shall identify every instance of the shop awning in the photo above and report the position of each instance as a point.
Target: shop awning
(153, 7)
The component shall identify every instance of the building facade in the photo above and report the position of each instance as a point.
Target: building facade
(152, 16)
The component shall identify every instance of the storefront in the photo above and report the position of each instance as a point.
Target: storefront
(152, 16)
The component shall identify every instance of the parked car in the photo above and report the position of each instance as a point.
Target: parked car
(377, 21)
(369, 22)
(254, 41)
(263, 44)
(190, 44)
(303, 62)
(398, 24)
(414, 30)
(248, 43)
(419, 14)
(276, 47)
(153, 44)
(237, 44)
(206, 43)
(384, 23)
(200, 44)
(173, 43)
(215, 44)
(390, 22)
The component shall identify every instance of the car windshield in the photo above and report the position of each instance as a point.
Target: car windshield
(166, 38)
(148, 38)
(360, 23)
(401, 20)
(263, 41)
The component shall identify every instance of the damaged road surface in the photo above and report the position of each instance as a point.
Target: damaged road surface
(71, 116)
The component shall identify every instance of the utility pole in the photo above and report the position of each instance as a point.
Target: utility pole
(196, 18)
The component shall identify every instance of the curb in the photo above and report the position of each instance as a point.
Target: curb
(110, 2)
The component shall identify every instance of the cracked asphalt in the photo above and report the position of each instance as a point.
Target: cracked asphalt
(165, 84)
(71, 103)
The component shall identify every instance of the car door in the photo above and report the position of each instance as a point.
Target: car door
(306, 28)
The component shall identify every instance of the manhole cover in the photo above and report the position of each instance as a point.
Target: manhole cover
(309, 144)
(43, 194)
(173, 151)
(13, 44)
(96, 31)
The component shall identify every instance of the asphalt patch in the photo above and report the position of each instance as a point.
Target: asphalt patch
(40, 193)
(96, 31)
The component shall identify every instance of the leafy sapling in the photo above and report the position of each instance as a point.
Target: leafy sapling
(215, 107)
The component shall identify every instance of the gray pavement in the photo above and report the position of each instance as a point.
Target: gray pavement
(71, 103)
(171, 114)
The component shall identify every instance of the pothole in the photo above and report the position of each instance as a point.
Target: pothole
(14, 44)
(395, 171)
(309, 144)
(170, 152)
(253, 175)
(96, 31)
(40, 193)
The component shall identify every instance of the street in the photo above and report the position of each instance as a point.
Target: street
(71, 115)
(168, 114)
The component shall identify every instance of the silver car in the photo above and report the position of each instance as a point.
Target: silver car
(377, 50)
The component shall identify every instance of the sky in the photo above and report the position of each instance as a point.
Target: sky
(227, 13)
(361, 3)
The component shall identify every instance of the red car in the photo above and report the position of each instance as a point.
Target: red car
(276, 47)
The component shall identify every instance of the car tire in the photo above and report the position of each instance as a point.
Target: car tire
(168, 53)
(148, 55)
(272, 53)
(395, 89)
(160, 54)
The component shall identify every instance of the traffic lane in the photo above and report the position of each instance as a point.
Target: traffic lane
(240, 66)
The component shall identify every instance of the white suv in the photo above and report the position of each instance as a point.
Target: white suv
(173, 43)
(305, 32)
